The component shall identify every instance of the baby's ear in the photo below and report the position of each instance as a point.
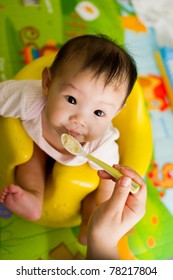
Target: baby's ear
(46, 80)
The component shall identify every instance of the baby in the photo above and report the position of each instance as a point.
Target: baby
(84, 89)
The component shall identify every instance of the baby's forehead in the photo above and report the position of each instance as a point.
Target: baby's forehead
(72, 68)
(77, 67)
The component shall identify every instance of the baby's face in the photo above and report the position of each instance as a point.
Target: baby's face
(81, 105)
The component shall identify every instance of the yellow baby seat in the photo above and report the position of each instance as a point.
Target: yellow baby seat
(69, 185)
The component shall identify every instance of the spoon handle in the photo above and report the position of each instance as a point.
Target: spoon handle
(112, 171)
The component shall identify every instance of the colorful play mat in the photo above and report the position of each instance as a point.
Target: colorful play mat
(33, 28)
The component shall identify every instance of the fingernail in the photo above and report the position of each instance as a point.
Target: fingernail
(126, 181)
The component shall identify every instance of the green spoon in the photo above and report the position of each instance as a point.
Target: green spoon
(75, 148)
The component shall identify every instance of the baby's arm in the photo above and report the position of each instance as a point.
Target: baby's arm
(116, 216)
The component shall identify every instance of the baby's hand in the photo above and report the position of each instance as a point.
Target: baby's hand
(116, 216)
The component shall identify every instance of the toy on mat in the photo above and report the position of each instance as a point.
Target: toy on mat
(164, 58)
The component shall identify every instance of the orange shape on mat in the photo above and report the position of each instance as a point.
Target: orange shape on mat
(151, 242)
(154, 220)
(124, 250)
(133, 23)
(161, 194)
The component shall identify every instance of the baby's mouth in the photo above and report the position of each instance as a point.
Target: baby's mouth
(73, 133)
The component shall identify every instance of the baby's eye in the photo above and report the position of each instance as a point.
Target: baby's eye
(71, 99)
(99, 113)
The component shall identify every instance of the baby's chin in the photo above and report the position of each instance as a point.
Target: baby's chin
(89, 139)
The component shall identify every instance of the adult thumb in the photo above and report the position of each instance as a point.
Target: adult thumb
(120, 193)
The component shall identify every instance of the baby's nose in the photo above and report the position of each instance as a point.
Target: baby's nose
(78, 119)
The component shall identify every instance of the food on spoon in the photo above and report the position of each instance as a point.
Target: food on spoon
(70, 144)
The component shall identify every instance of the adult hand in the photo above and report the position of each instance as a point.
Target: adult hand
(115, 217)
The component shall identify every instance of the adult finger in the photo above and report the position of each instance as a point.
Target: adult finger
(119, 196)
(105, 175)
(129, 172)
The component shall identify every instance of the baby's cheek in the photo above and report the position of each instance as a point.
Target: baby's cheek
(95, 134)
(57, 116)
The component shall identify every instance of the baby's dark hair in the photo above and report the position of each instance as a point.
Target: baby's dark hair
(100, 54)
